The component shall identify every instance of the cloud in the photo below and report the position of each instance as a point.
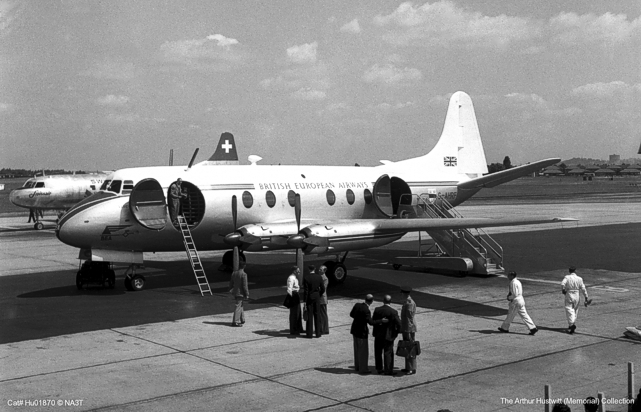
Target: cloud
(389, 74)
(5, 107)
(223, 41)
(571, 29)
(532, 104)
(308, 94)
(112, 100)
(443, 24)
(351, 27)
(607, 90)
(215, 52)
(303, 54)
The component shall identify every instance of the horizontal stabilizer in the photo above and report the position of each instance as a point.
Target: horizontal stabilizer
(495, 179)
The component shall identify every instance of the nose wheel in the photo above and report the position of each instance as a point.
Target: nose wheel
(133, 282)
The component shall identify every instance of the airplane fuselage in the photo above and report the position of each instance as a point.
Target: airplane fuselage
(56, 192)
(265, 203)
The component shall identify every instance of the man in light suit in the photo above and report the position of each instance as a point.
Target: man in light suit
(323, 302)
(240, 291)
(384, 336)
(362, 317)
(313, 289)
(571, 285)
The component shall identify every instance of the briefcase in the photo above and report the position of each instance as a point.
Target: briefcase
(407, 348)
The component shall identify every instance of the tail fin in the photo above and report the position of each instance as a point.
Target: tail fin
(225, 153)
(459, 150)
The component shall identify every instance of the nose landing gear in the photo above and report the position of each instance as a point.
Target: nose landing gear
(134, 282)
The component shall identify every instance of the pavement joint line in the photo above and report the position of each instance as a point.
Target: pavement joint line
(445, 378)
(256, 378)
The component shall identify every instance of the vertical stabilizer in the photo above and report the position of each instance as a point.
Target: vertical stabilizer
(225, 153)
(459, 150)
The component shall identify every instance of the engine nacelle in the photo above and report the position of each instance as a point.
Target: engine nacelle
(340, 237)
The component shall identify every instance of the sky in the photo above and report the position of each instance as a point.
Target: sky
(102, 85)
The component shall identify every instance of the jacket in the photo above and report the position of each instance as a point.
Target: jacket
(362, 317)
(407, 316)
(314, 288)
(394, 325)
(238, 284)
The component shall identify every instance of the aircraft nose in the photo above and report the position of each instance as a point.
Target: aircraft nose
(83, 224)
(18, 197)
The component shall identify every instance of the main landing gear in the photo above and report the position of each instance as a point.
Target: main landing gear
(133, 282)
(336, 270)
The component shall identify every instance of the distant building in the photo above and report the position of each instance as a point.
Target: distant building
(615, 159)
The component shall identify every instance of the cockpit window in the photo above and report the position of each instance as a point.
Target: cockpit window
(40, 184)
(29, 184)
(112, 186)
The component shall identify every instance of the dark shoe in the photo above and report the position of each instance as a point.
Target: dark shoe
(236, 325)
(571, 329)
(390, 373)
(365, 373)
(379, 372)
(533, 331)
(503, 330)
(411, 373)
(405, 370)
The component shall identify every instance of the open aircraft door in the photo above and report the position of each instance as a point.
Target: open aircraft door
(147, 204)
(388, 193)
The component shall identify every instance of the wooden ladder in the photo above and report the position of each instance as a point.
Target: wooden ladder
(192, 254)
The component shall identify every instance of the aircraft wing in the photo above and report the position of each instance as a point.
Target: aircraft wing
(415, 225)
(495, 179)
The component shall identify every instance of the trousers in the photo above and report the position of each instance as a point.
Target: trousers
(572, 299)
(517, 305)
(361, 354)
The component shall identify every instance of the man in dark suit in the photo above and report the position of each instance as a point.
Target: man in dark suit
(362, 317)
(314, 288)
(384, 336)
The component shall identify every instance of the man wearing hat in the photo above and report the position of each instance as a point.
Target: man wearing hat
(408, 327)
(362, 317)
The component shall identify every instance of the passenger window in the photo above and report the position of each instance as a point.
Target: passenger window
(350, 197)
(291, 198)
(127, 187)
(248, 199)
(270, 198)
(368, 196)
(40, 184)
(331, 197)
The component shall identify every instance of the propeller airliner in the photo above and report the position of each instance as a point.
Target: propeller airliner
(318, 210)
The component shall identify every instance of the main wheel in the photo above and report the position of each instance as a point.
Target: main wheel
(137, 283)
(38, 226)
(337, 273)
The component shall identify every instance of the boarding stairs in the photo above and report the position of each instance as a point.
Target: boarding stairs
(192, 254)
(473, 248)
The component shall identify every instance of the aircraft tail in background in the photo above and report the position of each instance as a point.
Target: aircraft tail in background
(225, 153)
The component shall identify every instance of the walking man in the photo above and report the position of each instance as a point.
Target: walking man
(323, 302)
(240, 291)
(570, 287)
(384, 336)
(175, 195)
(313, 289)
(362, 317)
(517, 305)
(408, 327)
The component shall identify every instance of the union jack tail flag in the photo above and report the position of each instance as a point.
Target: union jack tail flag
(449, 160)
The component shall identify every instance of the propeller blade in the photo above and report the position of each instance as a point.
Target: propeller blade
(234, 210)
(297, 212)
(236, 259)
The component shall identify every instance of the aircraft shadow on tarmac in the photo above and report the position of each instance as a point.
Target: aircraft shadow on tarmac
(175, 278)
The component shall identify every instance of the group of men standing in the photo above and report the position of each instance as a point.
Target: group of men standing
(315, 302)
(386, 327)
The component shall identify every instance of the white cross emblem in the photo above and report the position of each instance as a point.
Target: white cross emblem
(227, 146)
